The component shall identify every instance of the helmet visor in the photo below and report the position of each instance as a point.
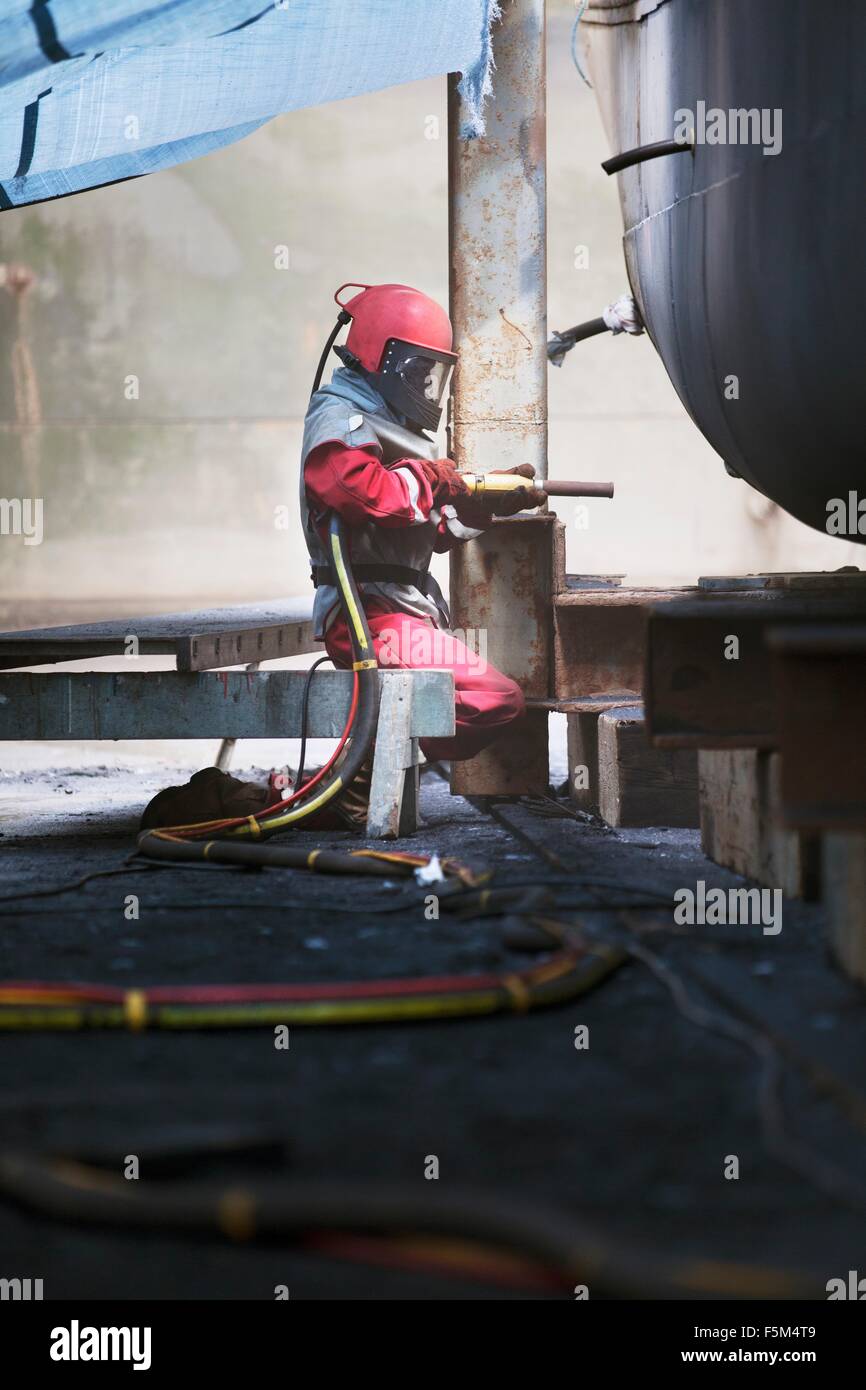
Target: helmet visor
(413, 379)
(428, 376)
(425, 372)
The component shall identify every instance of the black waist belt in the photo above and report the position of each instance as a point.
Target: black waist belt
(385, 574)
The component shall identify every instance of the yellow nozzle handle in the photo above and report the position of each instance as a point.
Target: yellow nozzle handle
(479, 483)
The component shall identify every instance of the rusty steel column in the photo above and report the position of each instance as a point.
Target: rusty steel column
(500, 584)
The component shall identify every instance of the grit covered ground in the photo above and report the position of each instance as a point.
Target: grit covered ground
(711, 1043)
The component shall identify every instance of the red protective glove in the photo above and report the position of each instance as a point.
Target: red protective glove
(477, 511)
(445, 482)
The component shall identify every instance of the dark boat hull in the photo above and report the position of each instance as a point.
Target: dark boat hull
(751, 266)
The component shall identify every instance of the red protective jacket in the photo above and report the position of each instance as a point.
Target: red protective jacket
(356, 485)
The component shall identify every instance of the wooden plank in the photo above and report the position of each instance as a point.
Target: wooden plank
(741, 824)
(639, 784)
(582, 742)
(393, 807)
(844, 865)
(228, 704)
(819, 680)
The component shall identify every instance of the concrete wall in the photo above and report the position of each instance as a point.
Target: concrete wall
(174, 280)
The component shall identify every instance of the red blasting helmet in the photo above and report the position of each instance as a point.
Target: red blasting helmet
(382, 312)
(402, 341)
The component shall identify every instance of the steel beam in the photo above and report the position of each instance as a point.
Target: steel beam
(497, 234)
(704, 691)
(600, 638)
(505, 595)
(96, 705)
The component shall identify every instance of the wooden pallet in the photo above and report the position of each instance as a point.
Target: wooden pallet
(615, 772)
(740, 804)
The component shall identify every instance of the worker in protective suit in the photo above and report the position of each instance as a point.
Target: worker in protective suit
(398, 510)
(366, 456)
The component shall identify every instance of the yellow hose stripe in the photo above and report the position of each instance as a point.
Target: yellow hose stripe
(551, 970)
(236, 1214)
(513, 990)
(323, 1012)
(298, 813)
(365, 665)
(519, 995)
(417, 861)
(41, 1018)
(751, 1281)
(135, 1010)
(312, 1013)
(346, 590)
(255, 828)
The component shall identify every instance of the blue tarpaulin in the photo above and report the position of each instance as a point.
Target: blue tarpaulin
(93, 91)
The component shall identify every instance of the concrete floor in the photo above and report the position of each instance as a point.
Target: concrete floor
(632, 1134)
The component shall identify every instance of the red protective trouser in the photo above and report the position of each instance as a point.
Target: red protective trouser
(486, 702)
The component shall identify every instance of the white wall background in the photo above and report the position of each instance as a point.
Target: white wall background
(173, 279)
